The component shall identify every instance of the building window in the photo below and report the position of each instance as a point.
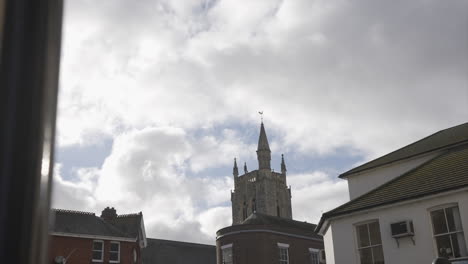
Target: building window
(254, 206)
(244, 212)
(98, 250)
(135, 256)
(369, 243)
(226, 251)
(114, 252)
(283, 253)
(448, 232)
(278, 209)
(314, 256)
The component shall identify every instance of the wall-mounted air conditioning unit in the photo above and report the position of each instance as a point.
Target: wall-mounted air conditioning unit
(402, 229)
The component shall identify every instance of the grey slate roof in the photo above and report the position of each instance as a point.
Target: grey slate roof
(159, 251)
(84, 223)
(439, 140)
(129, 223)
(263, 219)
(446, 172)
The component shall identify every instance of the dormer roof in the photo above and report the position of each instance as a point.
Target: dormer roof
(440, 140)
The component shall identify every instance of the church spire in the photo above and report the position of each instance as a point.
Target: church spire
(283, 165)
(245, 167)
(263, 150)
(235, 171)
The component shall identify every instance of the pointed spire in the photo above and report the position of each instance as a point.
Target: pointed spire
(263, 150)
(245, 167)
(235, 171)
(263, 140)
(283, 165)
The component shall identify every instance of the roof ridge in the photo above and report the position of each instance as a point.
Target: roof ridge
(181, 242)
(129, 215)
(336, 211)
(72, 211)
(390, 181)
(357, 170)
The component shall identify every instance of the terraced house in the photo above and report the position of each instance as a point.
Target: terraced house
(409, 206)
(83, 237)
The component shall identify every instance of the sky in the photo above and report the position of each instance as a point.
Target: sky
(158, 97)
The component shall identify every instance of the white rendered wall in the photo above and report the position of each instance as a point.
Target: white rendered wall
(343, 237)
(361, 183)
(328, 245)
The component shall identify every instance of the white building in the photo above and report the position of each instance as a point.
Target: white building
(409, 206)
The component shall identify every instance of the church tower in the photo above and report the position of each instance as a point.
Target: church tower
(263, 191)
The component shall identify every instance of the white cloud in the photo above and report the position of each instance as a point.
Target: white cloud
(328, 74)
(146, 171)
(367, 76)
(316, 193)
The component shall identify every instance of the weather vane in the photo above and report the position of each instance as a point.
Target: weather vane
(261, 115)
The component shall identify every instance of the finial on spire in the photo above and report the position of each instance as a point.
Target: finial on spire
(261, 115)
(283, 165)
(235, 171)
(245, 167)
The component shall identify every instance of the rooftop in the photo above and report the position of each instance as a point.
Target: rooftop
(437, 141)
(87, 223)
(446, 172)
(160, 251)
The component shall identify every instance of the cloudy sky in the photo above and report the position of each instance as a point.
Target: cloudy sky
(158, 97)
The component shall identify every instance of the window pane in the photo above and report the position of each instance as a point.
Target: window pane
(114, 247)
(374, 229)
(97, 255)
(453, 219)
(97, 245)
(314, 259)
(461, 244)
(362, 236)
(444, 249)
(365, 255)
(438, 221)
(114, 256)
(227, 255)
(378, 255)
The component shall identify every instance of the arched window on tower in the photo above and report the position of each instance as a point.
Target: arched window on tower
(277, 209)
(244, 211)
(254, 206)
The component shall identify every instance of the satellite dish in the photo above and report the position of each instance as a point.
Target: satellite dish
(60, 260)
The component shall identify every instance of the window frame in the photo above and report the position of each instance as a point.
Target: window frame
(102, 251)
(223, 248)
(448, 233)
(282, 246)
(118, 252)
(314, 252)
(370, 246)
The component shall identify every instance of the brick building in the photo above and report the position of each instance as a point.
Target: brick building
(83, 238)
(263, 231)
(269, 239)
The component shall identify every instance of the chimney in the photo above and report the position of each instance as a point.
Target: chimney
(109, 214)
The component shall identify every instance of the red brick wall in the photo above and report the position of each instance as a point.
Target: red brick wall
(262, 248)
(63, 246)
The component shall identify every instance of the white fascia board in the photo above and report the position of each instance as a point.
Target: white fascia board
(110, 238)
(226, 246)
(282, 245)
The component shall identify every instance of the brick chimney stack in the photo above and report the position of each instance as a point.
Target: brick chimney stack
(109, 214)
